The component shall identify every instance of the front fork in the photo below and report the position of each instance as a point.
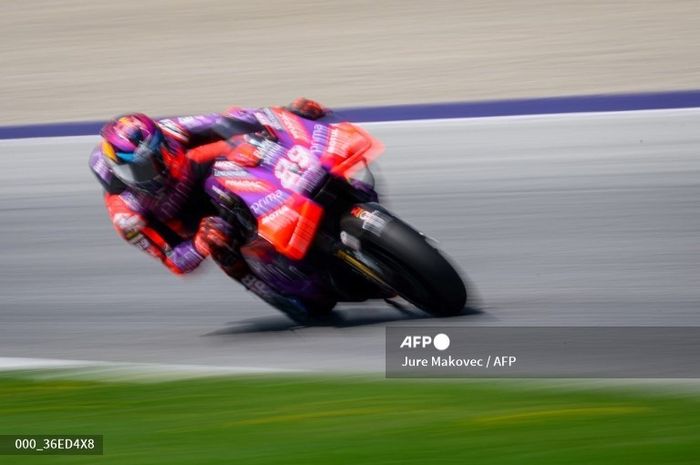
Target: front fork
(361, 220)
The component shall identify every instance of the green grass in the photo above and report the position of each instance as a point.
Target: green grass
(350, 420)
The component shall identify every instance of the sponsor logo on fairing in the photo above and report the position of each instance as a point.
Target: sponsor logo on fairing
(294, 127)
(226, 165)
(283, 215)
(319, 138)
(268, 202)
(229, 169)
(269, 152)
(258, 286)
(310, 179)
(338, 143)
(246, 185)
(371, 221)
(231, 174)
(267, 118)
(321, 133)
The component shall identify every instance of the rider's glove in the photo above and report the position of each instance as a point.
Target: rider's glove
(183, 258)
(214, 233)
(307, 108)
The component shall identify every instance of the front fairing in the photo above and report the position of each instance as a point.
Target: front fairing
(291, 165)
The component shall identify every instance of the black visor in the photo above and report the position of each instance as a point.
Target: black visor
(139, 171)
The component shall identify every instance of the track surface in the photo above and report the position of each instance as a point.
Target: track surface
(569, 219)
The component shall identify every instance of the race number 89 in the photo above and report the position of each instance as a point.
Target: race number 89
(289, 170)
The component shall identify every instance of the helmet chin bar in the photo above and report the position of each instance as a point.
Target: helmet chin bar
(155, 187)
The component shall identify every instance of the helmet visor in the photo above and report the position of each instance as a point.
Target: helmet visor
(139, 171)
(142, 174)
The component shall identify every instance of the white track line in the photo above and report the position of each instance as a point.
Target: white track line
(129, 370)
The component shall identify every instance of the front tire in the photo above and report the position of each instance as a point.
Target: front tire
(403, 260)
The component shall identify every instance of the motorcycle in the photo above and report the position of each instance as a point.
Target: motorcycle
(312, 226)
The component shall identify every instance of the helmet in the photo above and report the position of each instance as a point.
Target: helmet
(132, 145)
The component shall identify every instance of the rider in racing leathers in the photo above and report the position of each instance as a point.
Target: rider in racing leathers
(152, 173)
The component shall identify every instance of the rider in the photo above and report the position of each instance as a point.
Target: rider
(153, 172)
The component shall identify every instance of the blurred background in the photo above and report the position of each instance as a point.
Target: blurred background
(579, 219)
(72, 60)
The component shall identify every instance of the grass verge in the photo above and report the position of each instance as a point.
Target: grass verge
(351, 420)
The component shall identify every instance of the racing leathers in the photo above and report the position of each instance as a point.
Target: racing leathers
(164, 225)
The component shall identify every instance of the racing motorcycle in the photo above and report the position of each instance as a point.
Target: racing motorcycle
(312, 228)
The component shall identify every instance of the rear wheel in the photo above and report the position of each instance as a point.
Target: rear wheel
(399, 257)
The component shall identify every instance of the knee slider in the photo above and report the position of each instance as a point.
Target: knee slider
(128, 225)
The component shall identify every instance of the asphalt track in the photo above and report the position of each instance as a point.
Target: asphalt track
(588, 219)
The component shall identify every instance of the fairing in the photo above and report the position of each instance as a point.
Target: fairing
(288, 167)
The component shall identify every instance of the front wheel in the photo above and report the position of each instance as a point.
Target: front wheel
(394, 255)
